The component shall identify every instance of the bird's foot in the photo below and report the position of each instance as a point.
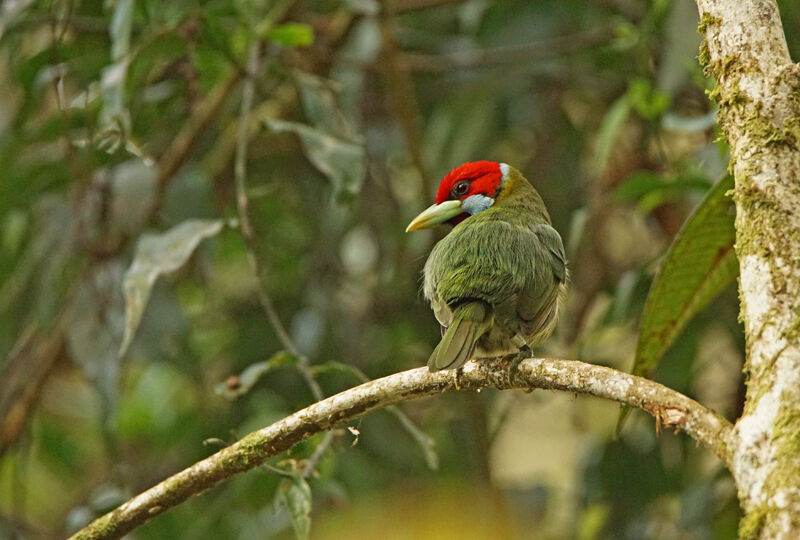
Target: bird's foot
(512, 374)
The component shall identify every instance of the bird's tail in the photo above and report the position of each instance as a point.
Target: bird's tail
(470, 322)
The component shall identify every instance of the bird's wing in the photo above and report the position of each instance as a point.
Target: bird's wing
(537, 304)
(555, 255)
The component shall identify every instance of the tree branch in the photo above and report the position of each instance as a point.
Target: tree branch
(669, 407)
(758, 92)
(523, 53)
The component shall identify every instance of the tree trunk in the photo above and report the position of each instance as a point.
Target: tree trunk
(758, 92)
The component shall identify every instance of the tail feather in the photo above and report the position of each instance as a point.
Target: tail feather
(470, 322)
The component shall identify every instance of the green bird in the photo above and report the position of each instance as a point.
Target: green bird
(496, 282)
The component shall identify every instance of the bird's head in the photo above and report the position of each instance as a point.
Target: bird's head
(464, 191)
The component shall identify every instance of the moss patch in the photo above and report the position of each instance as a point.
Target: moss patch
(751, 524)
(706, 20)
(786, 435)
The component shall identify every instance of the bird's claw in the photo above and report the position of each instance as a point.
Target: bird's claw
(512, 374)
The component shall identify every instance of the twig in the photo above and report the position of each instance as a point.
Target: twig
(242, 203)
(675, 410)
(416, 5)
(509, 54)
(424, 440)
(246, 225)
(22, 377)
(319, 451)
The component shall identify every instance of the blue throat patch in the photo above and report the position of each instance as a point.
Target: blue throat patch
(476, 203)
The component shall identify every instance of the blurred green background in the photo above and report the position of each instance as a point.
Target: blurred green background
(121, 119)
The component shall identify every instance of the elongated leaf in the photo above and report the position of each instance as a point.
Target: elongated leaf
(158, 254)
(609, 129)
(295, 494)
(700, 262)
(115, 119)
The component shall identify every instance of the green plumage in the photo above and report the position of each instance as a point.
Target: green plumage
(470, 321)
(496, 281)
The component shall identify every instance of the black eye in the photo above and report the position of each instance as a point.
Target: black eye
(461, 188)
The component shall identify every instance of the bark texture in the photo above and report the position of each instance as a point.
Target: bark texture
(758, 92)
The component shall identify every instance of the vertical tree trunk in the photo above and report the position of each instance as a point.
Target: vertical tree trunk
(758, 92)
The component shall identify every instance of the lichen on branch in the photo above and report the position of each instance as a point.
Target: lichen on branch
(758, 93)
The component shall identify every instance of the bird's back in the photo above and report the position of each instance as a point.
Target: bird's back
(509, 258)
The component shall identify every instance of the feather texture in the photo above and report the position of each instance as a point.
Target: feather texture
(497, 280)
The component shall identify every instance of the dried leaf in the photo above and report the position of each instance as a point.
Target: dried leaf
(158, 254)
(355, 433)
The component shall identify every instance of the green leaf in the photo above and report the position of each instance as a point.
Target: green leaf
(651, 190)
(295, 495)
(646, 100)
(607, 135)
(292, 35)
(342, 161)
(699, 263)
(158, 254)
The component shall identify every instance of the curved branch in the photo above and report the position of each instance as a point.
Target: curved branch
(669, 407)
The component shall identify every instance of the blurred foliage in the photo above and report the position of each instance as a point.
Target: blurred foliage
(118, 126)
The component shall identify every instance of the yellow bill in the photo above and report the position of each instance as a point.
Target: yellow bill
(435, 214)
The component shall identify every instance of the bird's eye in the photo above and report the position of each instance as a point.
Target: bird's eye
(461, 188)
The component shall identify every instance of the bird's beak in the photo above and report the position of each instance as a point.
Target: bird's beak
(435, 214)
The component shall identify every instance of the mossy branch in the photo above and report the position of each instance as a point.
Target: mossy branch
(758, 92)
(670, 408)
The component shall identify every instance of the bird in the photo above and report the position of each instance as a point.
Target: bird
(496, 282)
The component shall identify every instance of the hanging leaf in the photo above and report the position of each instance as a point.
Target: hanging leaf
(115, 121)
(295, 495)
(340, 160)
(158, 254)
(699, 263)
